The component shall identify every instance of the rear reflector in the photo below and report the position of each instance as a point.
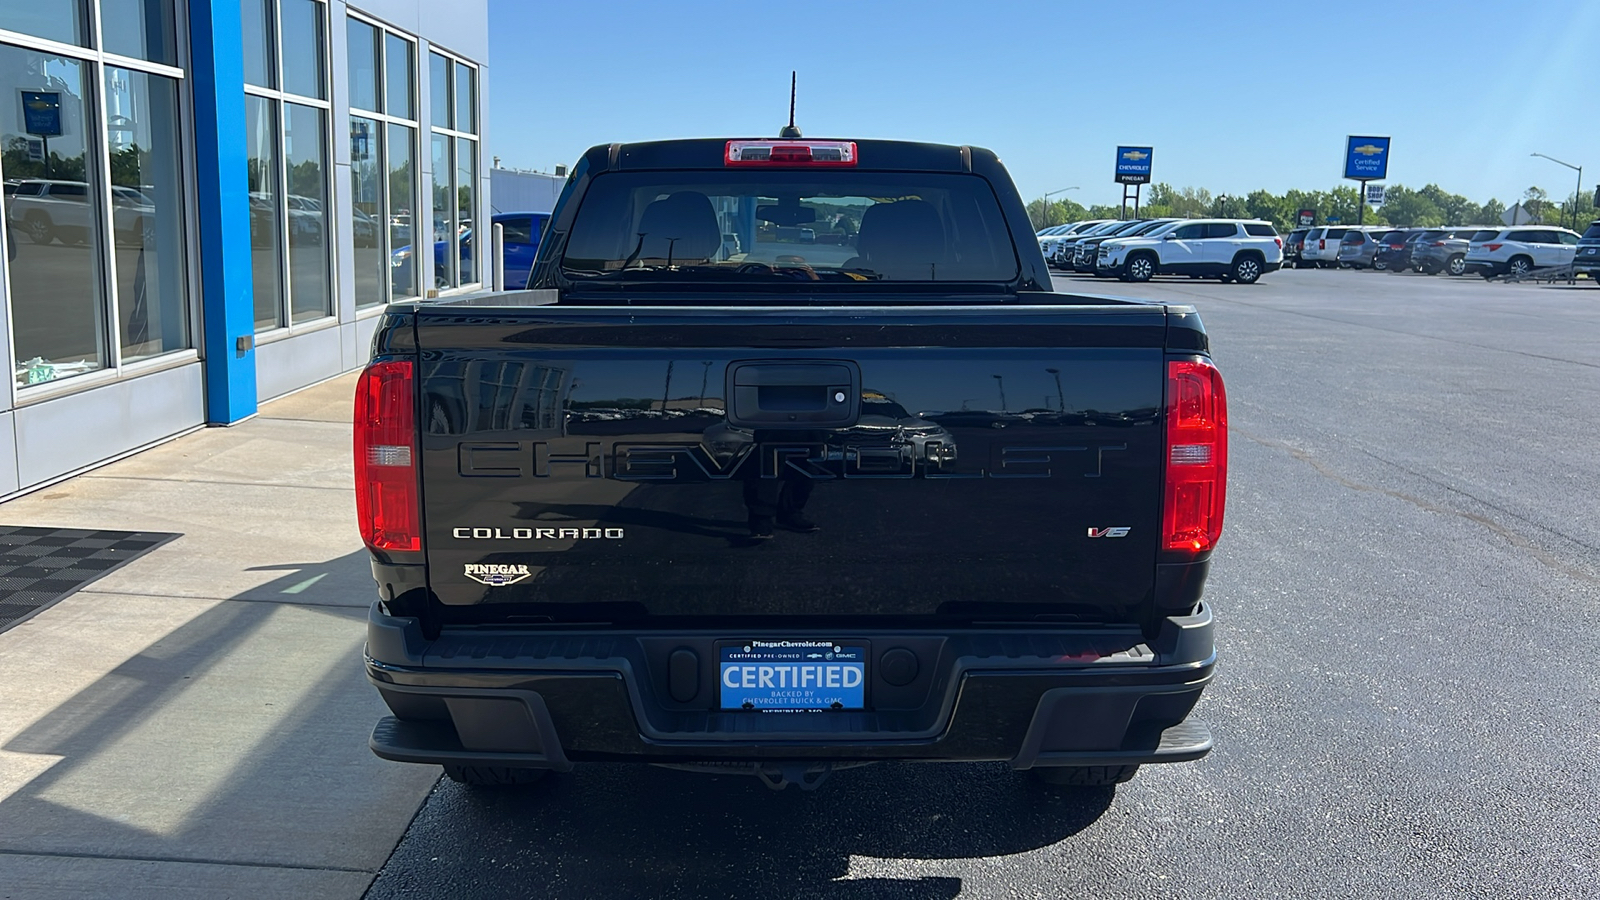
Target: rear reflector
(790, 153)
(385, 458)
(1195, 491)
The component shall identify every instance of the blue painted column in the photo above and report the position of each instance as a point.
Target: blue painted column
(217, 76)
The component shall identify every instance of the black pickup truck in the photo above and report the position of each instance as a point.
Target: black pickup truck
(790, 459)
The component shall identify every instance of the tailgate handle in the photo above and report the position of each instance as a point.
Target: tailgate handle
(794, 393)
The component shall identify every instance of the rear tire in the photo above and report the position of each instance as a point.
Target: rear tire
(1456, 266)
(1140, 268)
(1085, 776)
(1246, 269)
(1379, 265)
(39, 228)
(494, 776)
(1519, 266)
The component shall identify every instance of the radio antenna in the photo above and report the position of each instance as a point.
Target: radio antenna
(789, 131)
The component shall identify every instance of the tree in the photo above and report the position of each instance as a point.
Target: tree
(1536, 202)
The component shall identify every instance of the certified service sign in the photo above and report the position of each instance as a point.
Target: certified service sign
(1133, 165)
(1366, 158)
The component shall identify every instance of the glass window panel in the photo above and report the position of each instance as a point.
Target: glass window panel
(302, 48)
(466, 98)
(363, 42)
(266, 216)
(399, 61)
(366, 198)
(439, 90)
(57, 305)
(147, 213)
(305, 158)
(142, 29)
(444, 229)
(58, 20)
(403, 261)
(466, 196)
(258, 63)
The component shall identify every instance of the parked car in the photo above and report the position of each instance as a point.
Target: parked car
(1292, 242)
(49, 210)
(1358, 247)
(1394, 251)
(1586, 259)
(1063, 250)
(1518, 251)
(1443, 250)
(522, 231)
(1090, 247)
(1083, 251)
(523, 620)
(1228, 249)
(1062, 233)
(1321, 247)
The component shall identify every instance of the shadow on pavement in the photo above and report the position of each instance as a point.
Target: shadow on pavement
(239, 736)
(636, 831)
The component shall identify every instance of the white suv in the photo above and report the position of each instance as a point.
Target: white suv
(1051, 244)
(1518, 251)
(1229, 249)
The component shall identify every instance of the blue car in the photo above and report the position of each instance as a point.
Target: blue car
(522, 231)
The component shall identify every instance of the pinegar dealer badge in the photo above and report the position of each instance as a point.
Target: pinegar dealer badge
(496, 575)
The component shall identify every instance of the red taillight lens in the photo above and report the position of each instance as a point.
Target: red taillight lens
(1195, 492)
(1438, 243)
(1279, 242)
(1492, 247)
(386, 458)
(1322, 245)
(790, 153)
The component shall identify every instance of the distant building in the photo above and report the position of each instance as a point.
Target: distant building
(516, 190)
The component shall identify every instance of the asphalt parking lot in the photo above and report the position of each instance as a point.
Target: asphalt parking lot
(1406, 703)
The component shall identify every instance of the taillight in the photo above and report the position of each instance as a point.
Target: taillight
(1322, 244)
(387, 505)
(1438, 243)
(1492, 247)
(790, 153)
(1197, 457)
(1279, 242)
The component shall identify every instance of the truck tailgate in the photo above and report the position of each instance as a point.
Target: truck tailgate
(595, 465)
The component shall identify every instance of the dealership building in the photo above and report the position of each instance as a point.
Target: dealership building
(208, 202)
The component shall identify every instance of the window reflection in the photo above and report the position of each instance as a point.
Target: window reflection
(147, 213)
(363, 50)
(261, 131)
(439, 90)
(258, 60)
(306, 203)
(466, 194)
(444, 231)
(466, 89)
(402, 188)
(60, 20)
(366, 194)
(52, 210)
(399, 60)
(302, 47)
(142, 29)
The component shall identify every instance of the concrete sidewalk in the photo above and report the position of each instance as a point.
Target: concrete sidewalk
(195, 724)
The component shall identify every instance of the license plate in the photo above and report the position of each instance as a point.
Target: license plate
(792, 675)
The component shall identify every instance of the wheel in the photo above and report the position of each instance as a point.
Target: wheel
(1085, 776)
(1456, 265)
(494, 776)
(1246, 269)
(1380, 265)
(1142, 267)
(39, 228)
(1519, 266)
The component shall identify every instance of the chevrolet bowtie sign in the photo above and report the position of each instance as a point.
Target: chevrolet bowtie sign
(1366, 158)
(1133, 165)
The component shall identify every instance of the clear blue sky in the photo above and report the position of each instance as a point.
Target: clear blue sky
(1259, 96)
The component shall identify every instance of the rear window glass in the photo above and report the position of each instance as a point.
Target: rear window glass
(1353, 237)
(1489, 235)
(840, 227)
(1260, 229)
(1336, 233)
(1593, 234)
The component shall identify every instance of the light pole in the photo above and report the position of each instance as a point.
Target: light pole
(1044, 205)
(1575, 194)
(1002, 381)
(1061, 401)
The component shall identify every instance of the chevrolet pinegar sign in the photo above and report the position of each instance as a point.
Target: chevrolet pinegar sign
(1133, 165)
(1366, 158)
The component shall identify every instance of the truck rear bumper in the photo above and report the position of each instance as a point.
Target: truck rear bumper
(1040, 698)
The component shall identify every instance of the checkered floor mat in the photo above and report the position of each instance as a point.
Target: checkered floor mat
(39, 566)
